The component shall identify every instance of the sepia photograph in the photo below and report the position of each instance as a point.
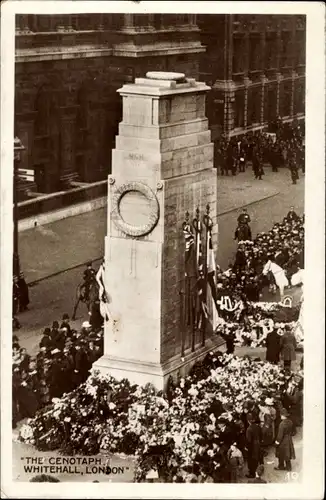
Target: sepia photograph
(158, 246)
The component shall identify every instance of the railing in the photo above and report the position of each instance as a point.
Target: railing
(63, 199)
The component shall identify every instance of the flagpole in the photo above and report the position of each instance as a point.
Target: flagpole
(206, 224)
(195, 292)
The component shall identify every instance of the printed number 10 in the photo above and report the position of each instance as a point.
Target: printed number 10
(293, 476)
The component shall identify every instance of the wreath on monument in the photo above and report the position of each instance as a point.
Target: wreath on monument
(120, 223)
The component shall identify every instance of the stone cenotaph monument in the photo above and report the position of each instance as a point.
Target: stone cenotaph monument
(162, 167)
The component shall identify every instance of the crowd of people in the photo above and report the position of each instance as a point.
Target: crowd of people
(283, 244)
(269, 424)
(284, 147)
(62, 364)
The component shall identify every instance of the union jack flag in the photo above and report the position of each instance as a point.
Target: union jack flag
(201, 308)
(189, 249)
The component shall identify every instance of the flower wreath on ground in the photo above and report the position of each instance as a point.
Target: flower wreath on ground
(177, 434)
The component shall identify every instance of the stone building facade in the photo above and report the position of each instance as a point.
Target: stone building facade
(69, 67)
(255, 65)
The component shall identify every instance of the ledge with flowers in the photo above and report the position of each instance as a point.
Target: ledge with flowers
(184, 434)
(241, 314)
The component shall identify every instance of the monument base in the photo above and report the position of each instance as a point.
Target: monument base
(142, 373)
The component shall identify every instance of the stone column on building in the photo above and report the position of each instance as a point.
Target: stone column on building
(279, 79)
(128, 21)
(264, 82)
(162, 166)
(68, 173)
(246, 49)
(294, 77)
(247, 83)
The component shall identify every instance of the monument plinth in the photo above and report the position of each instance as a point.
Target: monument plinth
(162, 166)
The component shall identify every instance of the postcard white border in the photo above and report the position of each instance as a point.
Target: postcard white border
(313, 450)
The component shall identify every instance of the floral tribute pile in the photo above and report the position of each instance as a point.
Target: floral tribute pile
(260, 319)
(180, 434)
(242, 315)
(283, 244)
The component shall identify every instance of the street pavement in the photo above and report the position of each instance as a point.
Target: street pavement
(69, 243)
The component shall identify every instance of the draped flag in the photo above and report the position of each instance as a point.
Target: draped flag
(201, 308)
(189, 250)
(190, 271)
(103, 297)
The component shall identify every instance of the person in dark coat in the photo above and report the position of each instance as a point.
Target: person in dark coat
(235, 463)
(229, 341)
(59, 339)
(253, 438)
(81, 365)
(288, 345)
(292, 216)
(96, 319)
(54, 377)
(46, 340)
(284, 444)
(23, 293)
(15, 296)
(66, 324)
(256, 165)
(273, 340)
(294, 171)
(244, 217)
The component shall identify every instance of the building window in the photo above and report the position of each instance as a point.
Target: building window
(141, 20)
(42, 117)
(300, 48)
(285, 99)
(169, 20)
(270, 51)
(157, 21)
(299, 98)
(254, 105)
(254, 53)
(286, 49)
(270, 103)
(44, 23)
(238, 59)
(239, 109)
(181, 19)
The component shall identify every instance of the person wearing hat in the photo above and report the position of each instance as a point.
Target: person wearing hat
(267, 416)
(273, 347)
(66, 324)
(81, 365)
(284, 444)
(86, 327)
(15, 296)
(46, 341)
(88, 277)
(23, 293)
(292, 216)
(59, 337)
(235, 463)
(253, 440)
(288, 346)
